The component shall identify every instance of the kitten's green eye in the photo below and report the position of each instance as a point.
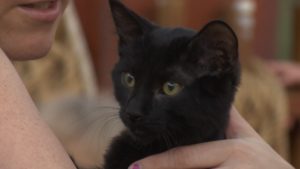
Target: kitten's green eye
(128, 80)
(171, 89)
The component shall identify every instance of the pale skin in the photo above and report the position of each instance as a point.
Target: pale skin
(26, 142)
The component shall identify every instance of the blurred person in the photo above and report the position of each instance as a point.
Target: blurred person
(287, 72)
(27, 29)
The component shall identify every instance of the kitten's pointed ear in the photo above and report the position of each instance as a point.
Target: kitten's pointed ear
(129, 25)
(215, 48)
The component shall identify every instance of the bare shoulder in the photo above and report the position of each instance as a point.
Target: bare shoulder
(26, 142)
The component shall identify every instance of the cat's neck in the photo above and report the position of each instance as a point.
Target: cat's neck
(164, 143)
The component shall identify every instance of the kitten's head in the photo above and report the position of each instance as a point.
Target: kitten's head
(174, 82)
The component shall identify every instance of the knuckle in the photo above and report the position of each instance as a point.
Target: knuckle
(178, 157)
(241, 148)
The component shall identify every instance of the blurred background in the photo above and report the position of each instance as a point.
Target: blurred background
(85, 52)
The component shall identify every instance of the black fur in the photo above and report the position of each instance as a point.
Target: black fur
(206, 63)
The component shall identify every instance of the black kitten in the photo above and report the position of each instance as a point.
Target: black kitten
(175, 86)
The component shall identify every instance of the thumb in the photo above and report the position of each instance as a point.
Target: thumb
(205, 155)
(238, 127)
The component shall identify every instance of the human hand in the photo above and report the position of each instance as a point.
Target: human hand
(244, 148)
(287, 72)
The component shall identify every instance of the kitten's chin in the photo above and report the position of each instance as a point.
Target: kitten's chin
(142, 137)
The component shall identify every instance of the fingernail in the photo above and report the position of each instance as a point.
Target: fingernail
(135, 166)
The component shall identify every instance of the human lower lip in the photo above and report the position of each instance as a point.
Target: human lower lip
(45, 11)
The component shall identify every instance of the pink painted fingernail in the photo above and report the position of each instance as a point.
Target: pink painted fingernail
(135, 166)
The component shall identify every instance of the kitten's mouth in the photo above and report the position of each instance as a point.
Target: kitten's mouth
(138, 133)
(142, 135)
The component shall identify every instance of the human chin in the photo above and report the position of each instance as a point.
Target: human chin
(40, 50)
(33, 47)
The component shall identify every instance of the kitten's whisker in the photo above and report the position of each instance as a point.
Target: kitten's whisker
(165, 140)
(100, 130)
(94, 120)
(87, 115)
(102, 133)
(107, 107)
(107, 122)
(172, 138)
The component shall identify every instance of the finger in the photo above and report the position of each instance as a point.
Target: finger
(213, 154)
(239, 127)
